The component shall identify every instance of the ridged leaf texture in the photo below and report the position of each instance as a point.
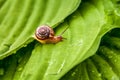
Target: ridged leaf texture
(20, 18)
(87, 21)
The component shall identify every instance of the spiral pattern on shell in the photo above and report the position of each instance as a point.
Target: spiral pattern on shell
(42, 32)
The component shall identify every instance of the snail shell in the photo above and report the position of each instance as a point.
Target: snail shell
(45, 34)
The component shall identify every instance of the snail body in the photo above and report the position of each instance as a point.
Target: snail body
(45, 34)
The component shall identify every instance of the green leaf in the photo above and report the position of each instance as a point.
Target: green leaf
(13, 65)
(18, 24)
(86, 27)
(104, 65)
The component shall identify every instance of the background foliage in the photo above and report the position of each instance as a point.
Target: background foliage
(82, 56)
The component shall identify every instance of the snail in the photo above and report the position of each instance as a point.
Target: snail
(45, 34)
